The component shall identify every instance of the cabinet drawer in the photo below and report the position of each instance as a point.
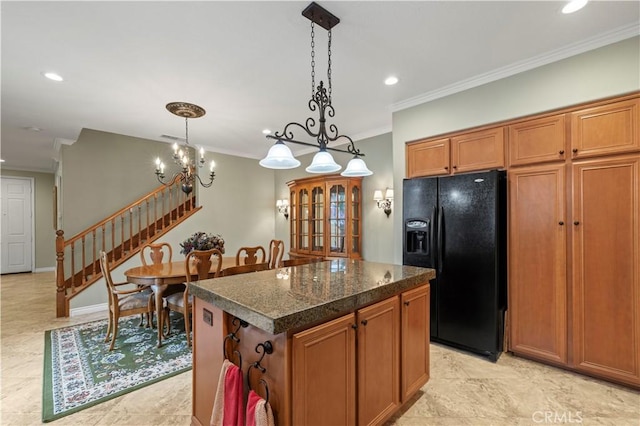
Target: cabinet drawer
(482, 150)
(606, 129)
(537, 141)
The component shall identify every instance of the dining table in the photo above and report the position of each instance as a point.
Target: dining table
(158, 277)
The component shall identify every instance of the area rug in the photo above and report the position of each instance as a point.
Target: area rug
(79, 370)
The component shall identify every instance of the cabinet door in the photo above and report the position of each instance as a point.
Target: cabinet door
(606, 129)
(415, 340)
(537, 141)
(606, 271)
(428, 158)
(378, 361)
(537, 270)
(337, 238)
(324, 374)
(482, 150)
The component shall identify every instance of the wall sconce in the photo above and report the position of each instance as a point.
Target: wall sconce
(283, 207)
(384, 203)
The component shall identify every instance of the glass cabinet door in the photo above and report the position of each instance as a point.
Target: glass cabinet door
(293, 223)
(337, 215)
(303, 211)
(317, 219)
(355, 219)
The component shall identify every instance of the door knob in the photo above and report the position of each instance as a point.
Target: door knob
(576, 223)
(363, 322)
(406, 303)
(561, 152)
(561, 223)
(575, 150)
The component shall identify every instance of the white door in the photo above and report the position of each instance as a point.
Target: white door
(16, 224)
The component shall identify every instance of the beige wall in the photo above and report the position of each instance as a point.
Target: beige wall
(600, 73)
(377, 228)
(44, 238)
(239, 206)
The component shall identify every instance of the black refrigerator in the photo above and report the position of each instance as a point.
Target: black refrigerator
(457, 225)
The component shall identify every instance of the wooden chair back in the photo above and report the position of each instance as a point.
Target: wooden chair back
(242, 269)
(203, 260)
(156, 253)
(276, 251)
(301, 261)
(250, 255)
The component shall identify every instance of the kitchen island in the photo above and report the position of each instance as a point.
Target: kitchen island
(333, 343)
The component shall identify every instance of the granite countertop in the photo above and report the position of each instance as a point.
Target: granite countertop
(281, 299)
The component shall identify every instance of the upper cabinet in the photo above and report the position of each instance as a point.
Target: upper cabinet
(482, 150)
(606, 129)
(428, 158)
(537, 141)
(326, 217)
(479, 150)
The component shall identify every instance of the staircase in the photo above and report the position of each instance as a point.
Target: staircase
(121, 235)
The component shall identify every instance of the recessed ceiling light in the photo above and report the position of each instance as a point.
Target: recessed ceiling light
(53, 76)
(266, 131)
(1, 160)
(574, 6)
(33, 128)
(390, 81)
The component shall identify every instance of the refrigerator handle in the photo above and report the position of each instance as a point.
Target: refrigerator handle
(440, 241)
(432, 237)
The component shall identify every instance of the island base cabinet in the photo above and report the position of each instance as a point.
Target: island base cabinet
(378, 361)
(324, 374)
(415, 342)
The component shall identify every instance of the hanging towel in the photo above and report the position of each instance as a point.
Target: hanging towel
(228, 407)
(259, 411)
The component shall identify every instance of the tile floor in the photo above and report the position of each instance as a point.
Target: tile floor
(463, 390)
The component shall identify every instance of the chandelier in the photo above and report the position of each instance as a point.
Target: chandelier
(279, 155)
(182, 157)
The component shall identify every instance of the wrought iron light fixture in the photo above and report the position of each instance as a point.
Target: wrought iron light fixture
(384, 203)
(283, 207)
(279, 155)
(188, 175)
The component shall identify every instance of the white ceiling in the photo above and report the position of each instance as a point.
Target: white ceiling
(248, 64)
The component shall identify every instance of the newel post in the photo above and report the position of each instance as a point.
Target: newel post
(61, 300)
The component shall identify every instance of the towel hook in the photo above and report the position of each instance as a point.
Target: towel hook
(267, 348)
(240, 323)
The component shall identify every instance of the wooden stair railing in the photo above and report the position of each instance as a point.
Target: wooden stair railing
(121, 235)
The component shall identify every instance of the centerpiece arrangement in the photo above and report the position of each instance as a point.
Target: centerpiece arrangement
(202, 241)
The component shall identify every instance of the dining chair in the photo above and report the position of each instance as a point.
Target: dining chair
(301, 261)
(242, 269)
(132, 301)
(249, 255)
(156, 253)
(276, 251)
(201, 261)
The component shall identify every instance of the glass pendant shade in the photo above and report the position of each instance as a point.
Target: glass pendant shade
(356, 167)
(323, 163)
(279, 157)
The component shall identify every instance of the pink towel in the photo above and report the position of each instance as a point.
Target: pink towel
(228, 405)
(259, 411)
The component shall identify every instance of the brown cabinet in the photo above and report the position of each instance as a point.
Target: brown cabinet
(481, 150)
(430, 158)
(326, 217)
(378, 361)
(390, 342)
(324, 374)
(606, 267)
(415, 306)
(606, 129)
(537, 262)
(537, 141)
(472, 151)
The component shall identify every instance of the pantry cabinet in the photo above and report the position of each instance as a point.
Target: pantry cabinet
(606, 267)
(537, 262)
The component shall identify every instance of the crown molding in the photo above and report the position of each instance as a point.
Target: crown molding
(586, 45)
